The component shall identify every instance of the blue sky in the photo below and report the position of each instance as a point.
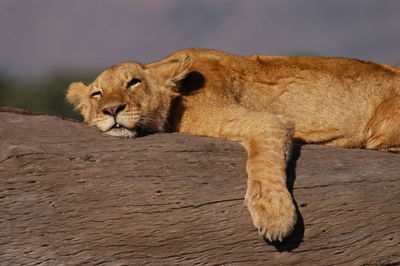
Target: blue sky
(41, 36)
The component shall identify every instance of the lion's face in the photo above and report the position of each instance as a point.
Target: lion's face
(129, 97)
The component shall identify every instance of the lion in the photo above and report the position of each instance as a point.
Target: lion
(263, 102)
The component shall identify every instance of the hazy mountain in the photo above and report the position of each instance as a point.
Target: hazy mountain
(38, 36)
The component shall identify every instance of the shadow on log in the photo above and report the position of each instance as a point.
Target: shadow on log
(70, 195)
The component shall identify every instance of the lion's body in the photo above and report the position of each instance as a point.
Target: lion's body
(329, 100)
(261, 101)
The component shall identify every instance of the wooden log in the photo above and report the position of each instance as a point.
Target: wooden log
(70, 195)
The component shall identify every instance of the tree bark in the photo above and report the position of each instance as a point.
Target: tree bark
(70, 195)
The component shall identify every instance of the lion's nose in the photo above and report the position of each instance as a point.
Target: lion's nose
(114, 110)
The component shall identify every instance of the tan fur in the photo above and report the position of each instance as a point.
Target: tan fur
(260, 101)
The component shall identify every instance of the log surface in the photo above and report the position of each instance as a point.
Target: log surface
(69, 195)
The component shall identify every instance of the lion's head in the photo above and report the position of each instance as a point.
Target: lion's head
(129, 97)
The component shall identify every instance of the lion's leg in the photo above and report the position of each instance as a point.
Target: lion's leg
(267, 139)
(270, 203)
(383, 130)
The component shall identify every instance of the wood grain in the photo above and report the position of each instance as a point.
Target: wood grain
(69, 195)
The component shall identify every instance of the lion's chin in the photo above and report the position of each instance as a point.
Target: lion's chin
(122, 132)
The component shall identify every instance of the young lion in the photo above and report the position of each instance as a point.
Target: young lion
(260, 101)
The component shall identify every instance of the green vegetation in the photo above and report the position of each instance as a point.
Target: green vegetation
(46, 95)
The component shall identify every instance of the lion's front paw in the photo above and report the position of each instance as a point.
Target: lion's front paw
(273, 212)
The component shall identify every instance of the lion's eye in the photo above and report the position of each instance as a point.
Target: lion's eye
(133, 82)
(96, 94)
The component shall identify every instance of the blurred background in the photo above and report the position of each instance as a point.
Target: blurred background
(47, 44)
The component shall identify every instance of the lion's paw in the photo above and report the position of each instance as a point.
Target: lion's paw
(273, 213)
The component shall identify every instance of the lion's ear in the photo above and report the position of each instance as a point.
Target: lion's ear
(172, 72)
(76, 92)
(77, 95)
